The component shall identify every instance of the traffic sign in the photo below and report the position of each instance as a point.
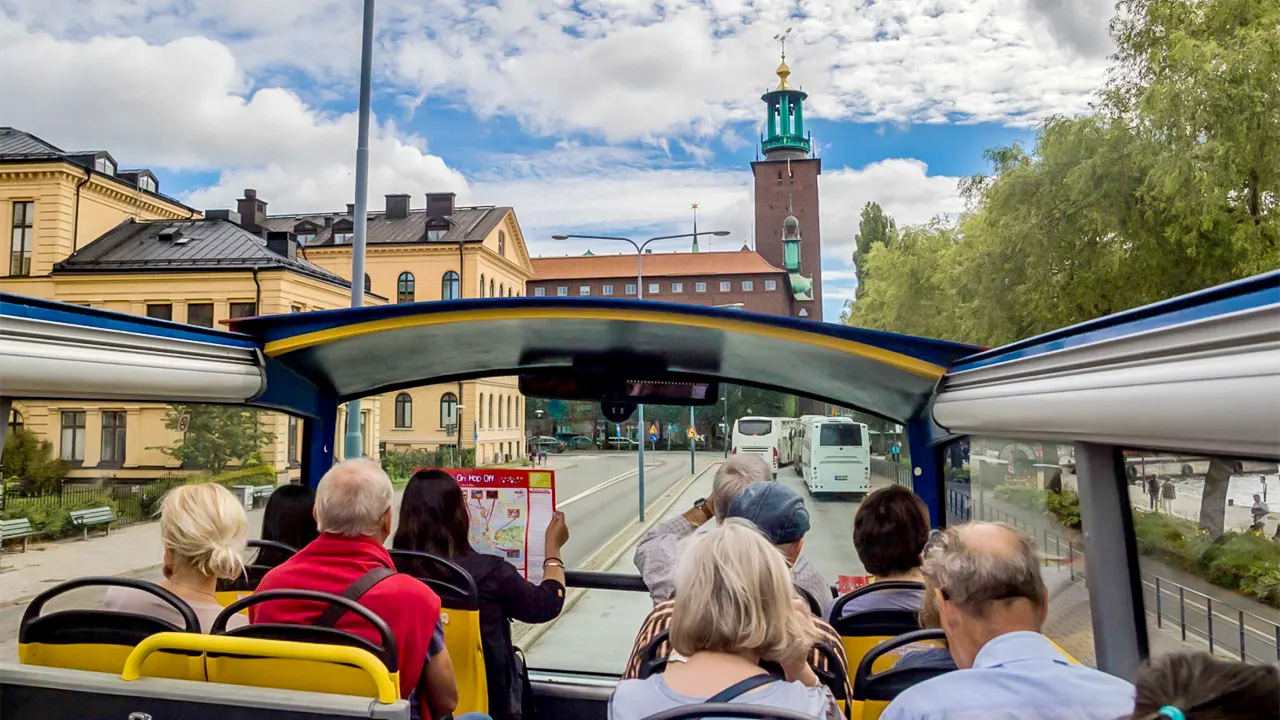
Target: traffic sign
(184, 422)
(692, 434)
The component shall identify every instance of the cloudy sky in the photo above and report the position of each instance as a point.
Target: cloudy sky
(600, 116)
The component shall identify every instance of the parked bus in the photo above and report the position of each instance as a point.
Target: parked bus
(768, 437)
(835, 456)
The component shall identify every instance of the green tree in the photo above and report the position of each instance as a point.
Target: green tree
(874, 228)
(217, 436)
(29, 461)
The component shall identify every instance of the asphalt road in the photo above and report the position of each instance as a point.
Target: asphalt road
(598, 494)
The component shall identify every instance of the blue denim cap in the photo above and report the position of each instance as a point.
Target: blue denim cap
(776, 509)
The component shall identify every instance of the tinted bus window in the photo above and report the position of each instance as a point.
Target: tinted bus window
(847, 435)
(755, 427)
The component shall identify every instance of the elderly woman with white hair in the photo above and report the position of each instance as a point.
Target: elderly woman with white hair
(734, 606)
(661, 547)
(202, 527)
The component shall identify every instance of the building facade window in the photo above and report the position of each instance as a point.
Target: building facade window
(72, 449)
(343, 238)
(700, 287)
(677, 287)
(631, 288)
(436, 230)
(748, 286)
(584, 290)
(295, 308)
(500, 423)
(502, 243)
(481, 284)
(146, 184)
(160, 311)
(405, 287)
(725, 286)
(368, 283)
(770, 285)
(113, 429)
(510, 418)
(479, 411)
(654, 288)
(502, 290)
(20, 244)
(562, 290)
(200, 314)
(243, 309)
(542, 292)
(448, 409)
(306, 238)
(292, 448)
(606, 290)
(15, 420)
(404, 411)
(104, 166)
(490, 412)
(491, 294)
(450, 286)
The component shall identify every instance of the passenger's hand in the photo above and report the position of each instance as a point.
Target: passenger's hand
(557, 532)
(699, 513)
(795, 660)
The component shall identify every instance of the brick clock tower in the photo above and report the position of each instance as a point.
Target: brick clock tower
(787, 229)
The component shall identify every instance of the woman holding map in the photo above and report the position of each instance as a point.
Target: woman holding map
(434, 519)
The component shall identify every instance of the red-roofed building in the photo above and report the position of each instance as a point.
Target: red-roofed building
(740, 279)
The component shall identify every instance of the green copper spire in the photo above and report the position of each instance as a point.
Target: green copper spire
(785, 134)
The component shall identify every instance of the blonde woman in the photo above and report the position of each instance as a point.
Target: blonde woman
(735, 605)
(202, 527)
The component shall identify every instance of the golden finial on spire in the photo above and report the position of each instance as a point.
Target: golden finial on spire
(783, 71)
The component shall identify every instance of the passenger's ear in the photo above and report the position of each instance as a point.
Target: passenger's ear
(386, 523)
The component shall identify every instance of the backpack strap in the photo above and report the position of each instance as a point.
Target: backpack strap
(354, 591)
(742, 687)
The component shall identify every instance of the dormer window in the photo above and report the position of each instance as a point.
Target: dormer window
(437, 229)
(343, 232)
(146, 183)
(305, 232)
(103, 164)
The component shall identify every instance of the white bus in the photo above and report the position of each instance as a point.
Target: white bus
(835, 455)
(768, 437)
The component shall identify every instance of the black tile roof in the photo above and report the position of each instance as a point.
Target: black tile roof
(469, 224)
(202, 245)
(16, 143)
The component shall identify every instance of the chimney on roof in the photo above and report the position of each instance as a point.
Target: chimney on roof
(397, 207)
(283, 243)
(230, 216)
(253, 212)
(351, 209)
(440, 204)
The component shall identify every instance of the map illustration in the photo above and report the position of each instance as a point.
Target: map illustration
(498, 522)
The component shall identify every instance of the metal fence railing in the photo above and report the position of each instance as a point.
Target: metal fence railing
(1225, 628)
(132, 501)
(960, 508)
(898, 472)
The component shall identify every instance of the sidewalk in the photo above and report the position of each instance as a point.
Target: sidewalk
(1187, 507)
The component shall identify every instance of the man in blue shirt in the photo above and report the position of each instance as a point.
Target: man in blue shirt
(992, 603)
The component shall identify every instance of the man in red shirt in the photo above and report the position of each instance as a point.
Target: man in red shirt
(353, 514)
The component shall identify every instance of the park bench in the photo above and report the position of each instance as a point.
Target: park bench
(85, 519)
(16, 529)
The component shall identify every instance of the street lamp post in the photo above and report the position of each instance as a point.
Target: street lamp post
(639, 247)
(727, 428)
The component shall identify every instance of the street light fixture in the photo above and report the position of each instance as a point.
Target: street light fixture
(639, 247)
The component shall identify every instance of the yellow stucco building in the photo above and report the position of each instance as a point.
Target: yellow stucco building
(440, 252)
(82, 231)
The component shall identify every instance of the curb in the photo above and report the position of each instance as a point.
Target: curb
(627, 537)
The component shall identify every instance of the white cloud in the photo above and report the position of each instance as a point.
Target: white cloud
(184, 105)
(638, 70)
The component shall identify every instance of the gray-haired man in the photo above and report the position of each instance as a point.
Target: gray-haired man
(992, 602)
(660, 548)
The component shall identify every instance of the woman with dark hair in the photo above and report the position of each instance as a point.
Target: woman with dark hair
(289, 518)
(1197, 686)
(890, 531)
(434, 519)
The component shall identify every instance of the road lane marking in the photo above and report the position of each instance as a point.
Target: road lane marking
(611, 481)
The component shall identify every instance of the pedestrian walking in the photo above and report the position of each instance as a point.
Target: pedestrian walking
(1259, 512)
(1167, 495)
(1153, 491)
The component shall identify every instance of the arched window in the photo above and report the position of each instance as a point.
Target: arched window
(502, 290)
(491, 287)
(519, 411)
(368, 284)
(490, 412)
(448, 409)
(404, 411)
(510, 291)
(510, 418)
(502, 243)
(15, 420)
(480, 411)
(404, 288)
(437, 229)
(481, 284)
(449, 289)
(500, 425)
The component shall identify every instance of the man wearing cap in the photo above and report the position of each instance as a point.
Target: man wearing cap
(660, 548)
(780, 515)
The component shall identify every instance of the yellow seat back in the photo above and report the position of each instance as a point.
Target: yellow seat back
(460, 615)
(239, 588)
(877, 681)
(101, 640)
(300, 670)
(862, 631)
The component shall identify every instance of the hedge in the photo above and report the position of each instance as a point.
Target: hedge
(1243, 562)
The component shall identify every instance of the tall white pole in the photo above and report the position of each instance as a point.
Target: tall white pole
(354, 442)
(644, 431)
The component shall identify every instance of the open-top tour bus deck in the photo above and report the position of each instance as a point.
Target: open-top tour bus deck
(1195, 379)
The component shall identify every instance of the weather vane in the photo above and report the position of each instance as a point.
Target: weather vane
(782, 38)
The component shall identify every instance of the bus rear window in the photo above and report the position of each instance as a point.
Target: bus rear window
(846, 434)
(755, 427)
